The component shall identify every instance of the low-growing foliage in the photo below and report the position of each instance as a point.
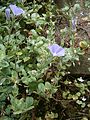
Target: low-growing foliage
(33, 67)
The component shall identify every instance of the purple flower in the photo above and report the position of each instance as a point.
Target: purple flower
(74, 23)
(7, 13)
(57, 50)
(16, 10)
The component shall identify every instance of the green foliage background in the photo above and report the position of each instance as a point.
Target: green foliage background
(30, 77)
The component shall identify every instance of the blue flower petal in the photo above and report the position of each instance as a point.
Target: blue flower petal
(7, 13)
(57, 50)
(16, 10)
(74, 23)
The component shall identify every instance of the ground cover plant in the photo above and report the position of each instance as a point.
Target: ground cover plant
(41, 44)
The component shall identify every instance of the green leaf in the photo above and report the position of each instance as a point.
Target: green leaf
(22, 111)
(15, 90)
(41, 87)
(84, 118)
(34, 16)
(83, 105)
(88, 82)
(4, 64)
(8, 110)
(5, 118)
(26, 59)
(29, 102)
(33, 86)
(48, 86)
(79, 102)
(21, 105)
(2, 52)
